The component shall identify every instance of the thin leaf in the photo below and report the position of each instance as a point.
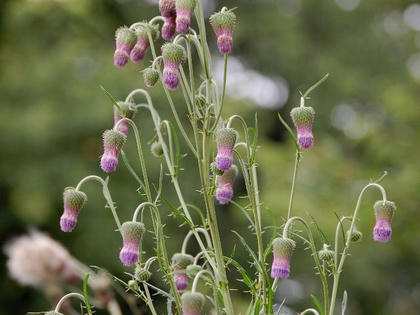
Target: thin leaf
(245, 213)
(321, 234)
(177, 149)
(131, 170)
(289, 130)
(245, 277)
(177, 212)
(344, 303)
(85, 294)
(114, 102)
(250, 251)
(317, 304)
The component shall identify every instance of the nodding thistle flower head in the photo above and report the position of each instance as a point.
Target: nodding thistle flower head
(167, 8)
(384, 211)
(355, 236)
(184, 11)
(168, 27)
(150, 76)
(132, 233)
(127, 111)
(303, 118)
(225, 139)
(156, 149)
(113, 142)
(142, 274)
(140, 48)
(125, 39)
(224, 190)
(223, 23)
(326, 254)
(173, 55)
(192, 270)
(282, 252)
(74, 200)
(179, 263)
(192, 303)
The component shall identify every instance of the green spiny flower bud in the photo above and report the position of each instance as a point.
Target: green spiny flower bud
(156, 149)
(192, 303)
(150, 76)
(133, 285)
(142, 274)
(355, 236)
(326, 254)
(192, 270)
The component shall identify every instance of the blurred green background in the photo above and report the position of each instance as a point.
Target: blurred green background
(54, 55)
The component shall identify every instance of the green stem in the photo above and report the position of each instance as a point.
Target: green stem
(348, 241)
(298, 157)
(223, 92)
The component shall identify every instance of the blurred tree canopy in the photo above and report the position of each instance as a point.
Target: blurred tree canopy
(54, 55)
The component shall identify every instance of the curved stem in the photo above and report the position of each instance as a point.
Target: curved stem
(67, 296)
(298, 157)
(171, 147)
(149, 299)
(198, 276)
(191, 233)
(337, 233)
(140, 207)
(106, 193)
(313, 311)
(140, 153)
(347, 244)
(149, 262)
(313, 87)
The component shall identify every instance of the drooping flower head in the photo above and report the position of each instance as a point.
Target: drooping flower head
(282, 252)
(179, 263)
(192, 303)
(173, 55)
(223, 23)
(193, 270)
(132, 233)
(167, 8)
(384, 211)
(127, 111)
(125, 39)
(113, 142)
(303, 118)
(184, 11)
(224, 190)
(150, 76)
(73, 200)
(156, 149)
(225, 139)
(169, 27)
(355, 235)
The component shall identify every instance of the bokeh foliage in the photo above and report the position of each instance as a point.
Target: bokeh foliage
(55, 54)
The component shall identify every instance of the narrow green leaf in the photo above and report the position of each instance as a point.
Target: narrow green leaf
(85, 294)
(245, 213)
(320, 232)
(245, 277)
(114, 102)
(317, 304)
(177, 212)
(131, 169)
(290, 131)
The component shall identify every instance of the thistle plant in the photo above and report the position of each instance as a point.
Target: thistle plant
(223, 147)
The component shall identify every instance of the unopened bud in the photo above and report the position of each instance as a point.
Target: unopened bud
(150, 76)
(142, 274)
(133, 285)
(192, 303)
(355, 236)
(326, 254)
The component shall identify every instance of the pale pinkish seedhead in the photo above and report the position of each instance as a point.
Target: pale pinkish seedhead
(183, 21)
(280, 268)
(139, 50)
(170, 75)
(168, 28)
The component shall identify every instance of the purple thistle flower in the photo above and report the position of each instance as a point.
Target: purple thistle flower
(132, 233)
(74, 201)
(282, 252)
(192, 303)
(184, 11)
(223, 23)
(167, 8)
(168, 28)
(139, 50)
(384, 211)
(225, 139)
(224, 190)
(128, 111)
(179, 263)
(113, 142)
(125, 39)
(173, 55)
(303, 118)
